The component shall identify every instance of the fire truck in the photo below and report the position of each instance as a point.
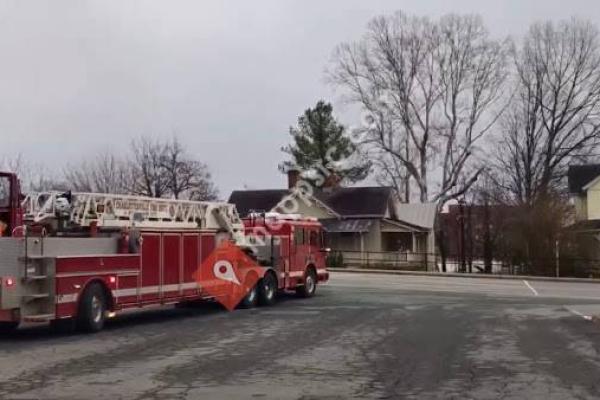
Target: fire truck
(76, 259)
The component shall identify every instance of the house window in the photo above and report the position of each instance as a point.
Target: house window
(397, 241)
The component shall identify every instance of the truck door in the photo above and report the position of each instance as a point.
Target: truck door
(285, 258)
(171, 265)
(151, 260)
(300, 252)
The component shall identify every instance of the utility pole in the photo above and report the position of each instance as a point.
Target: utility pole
(557, 255)
(461, 218)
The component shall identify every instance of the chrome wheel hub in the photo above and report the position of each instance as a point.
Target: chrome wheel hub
(97, 309)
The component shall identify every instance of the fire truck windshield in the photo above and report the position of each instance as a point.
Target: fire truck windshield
(4, 191)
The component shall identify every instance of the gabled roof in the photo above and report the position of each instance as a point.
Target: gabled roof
(357, 201)
(297, 195)
(581, 175)
(347, 202)
(247, 201)
(417, 214)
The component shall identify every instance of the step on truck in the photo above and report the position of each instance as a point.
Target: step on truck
(76, 259)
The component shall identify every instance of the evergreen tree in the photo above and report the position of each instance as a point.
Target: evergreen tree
(322, 150)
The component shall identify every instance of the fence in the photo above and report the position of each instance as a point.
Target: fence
(382, 259)
(408, 261)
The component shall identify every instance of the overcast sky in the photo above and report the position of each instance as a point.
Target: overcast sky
(228, 77)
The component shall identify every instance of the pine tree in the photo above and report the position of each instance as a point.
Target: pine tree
(321, 149)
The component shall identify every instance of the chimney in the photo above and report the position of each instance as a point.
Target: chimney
(293, 177)
(331, 181)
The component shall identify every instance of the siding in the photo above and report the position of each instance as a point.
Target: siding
(593, 202)
(580, 202)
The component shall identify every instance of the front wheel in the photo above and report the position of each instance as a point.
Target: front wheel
(92, 309)
(251, 298)
(267, 290)
(310, 284)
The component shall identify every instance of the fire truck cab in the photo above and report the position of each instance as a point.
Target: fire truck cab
(10, 203)
(75, 259)
(292, 246)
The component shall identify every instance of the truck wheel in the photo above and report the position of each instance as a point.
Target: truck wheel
(309, 287)
(8, 326)
(92, 309)
(267, 290)
(251, 298)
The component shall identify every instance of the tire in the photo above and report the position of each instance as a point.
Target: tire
(8, 327)
(267, 290)
(92, 309)
(251, 299)
(309, 287)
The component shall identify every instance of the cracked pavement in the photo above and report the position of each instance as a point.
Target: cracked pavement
(362, 336)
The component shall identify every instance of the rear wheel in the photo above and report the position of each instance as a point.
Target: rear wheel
(267, 290)
(92, 309)
(251, 298)
(310, 284)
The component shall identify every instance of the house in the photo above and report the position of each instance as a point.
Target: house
(584, 187)
(367, 225)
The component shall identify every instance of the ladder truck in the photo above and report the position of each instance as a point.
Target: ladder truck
(76, 259)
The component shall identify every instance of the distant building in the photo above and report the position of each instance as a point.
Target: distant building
(367, 225)
(584, 187)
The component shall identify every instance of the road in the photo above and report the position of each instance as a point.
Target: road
(362, 336)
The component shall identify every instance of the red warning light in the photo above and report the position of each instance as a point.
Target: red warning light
(9, 282)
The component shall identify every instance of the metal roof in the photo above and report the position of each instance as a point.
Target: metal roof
(419, 214)
(347, 225)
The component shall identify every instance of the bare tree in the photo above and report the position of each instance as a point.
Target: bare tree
(164, 169)
(146, 163)
(185, 176)
(34, 177)
(554, 117)
(104, 173)
(391, 172)
(431, 89)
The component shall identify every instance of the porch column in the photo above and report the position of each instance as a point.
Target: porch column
(362, 247)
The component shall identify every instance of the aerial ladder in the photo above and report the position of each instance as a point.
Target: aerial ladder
(100, 210)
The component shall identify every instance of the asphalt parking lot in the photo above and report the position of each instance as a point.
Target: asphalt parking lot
(362, 336)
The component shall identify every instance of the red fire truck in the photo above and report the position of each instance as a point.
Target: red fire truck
(75, 259)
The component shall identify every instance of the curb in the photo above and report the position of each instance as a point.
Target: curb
(457, 275)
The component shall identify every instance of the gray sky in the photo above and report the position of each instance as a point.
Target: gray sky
(228, 77)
